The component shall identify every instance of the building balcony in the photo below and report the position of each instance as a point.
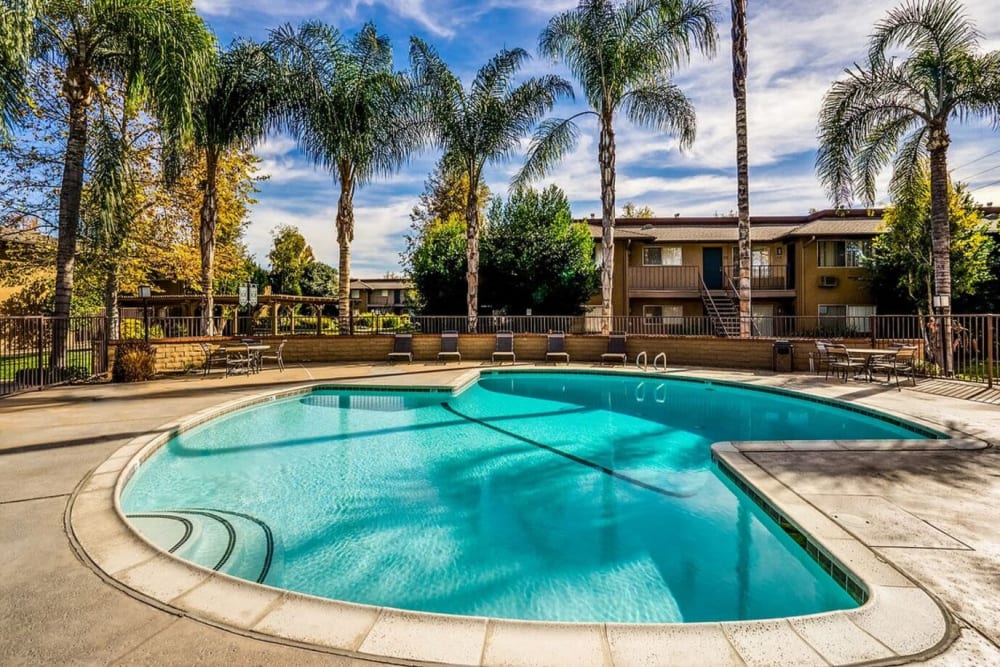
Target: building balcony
(661, 280)
(765, 278)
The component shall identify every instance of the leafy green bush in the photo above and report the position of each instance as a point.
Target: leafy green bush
(135, 361)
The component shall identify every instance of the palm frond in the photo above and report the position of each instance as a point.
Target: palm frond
(552, 141)
(16, 37)
(662, 106)
(111, 187)
(853, 110)
(877, 150)
(940, 27)
(911, 167)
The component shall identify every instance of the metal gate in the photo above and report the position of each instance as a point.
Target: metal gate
(37, 351)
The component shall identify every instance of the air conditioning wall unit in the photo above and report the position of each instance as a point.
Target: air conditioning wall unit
(829, 281)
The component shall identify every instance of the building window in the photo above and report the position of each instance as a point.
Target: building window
(355, 294)
(661, 256)
(383, 292)
(842, 253)
(664, 314)
(850, 318)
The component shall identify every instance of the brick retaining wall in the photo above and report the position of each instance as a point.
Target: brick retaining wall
(707, 351)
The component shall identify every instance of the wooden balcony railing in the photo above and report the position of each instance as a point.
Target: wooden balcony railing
(664, 277)
(766, 277)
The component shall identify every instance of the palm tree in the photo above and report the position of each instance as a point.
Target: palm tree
(162, 44)
(622, 55)
(351, 113)
(739, 8)
(16, 19)
(233, 112)
(480, 126)
(898, 110)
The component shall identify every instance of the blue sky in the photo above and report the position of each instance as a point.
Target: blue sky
(797, 48)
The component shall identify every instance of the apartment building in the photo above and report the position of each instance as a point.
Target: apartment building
(670, 268)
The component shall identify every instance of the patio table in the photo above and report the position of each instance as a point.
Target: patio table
(870, 353)
(252, 351)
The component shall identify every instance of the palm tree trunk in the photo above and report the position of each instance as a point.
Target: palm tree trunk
(941, 238)
(472, 254)
(739, 8)
(206, 232)
(606, 159)
(111, 302)
(76, 90)
(345, 235)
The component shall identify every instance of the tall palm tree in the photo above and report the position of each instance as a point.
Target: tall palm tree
(897, 110)
(233, 112)
(351, 113)
(622, 55)
(16, 19)
(162, 46)
(739, 33)
(481, 125)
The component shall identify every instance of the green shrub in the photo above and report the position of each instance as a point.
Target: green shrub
(363, 321)
(135, 361)
(389, 321)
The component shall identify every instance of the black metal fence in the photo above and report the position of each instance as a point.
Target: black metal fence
(29, 360)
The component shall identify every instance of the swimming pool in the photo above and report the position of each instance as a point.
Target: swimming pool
(572, 497)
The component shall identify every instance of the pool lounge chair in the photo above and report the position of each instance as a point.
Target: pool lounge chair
(449, 347)
(505, 347)
(555, 348)
(616, 350)
(402, 348)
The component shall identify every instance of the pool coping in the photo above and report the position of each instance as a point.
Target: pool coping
(871, 633)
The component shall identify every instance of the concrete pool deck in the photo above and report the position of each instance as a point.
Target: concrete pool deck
(931, 513)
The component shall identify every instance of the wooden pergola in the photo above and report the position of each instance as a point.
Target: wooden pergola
(190, 304)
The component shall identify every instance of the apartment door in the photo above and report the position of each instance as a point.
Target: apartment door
(790, 266)
(711, 267)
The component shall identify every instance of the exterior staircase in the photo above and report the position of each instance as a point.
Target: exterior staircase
(725, 314)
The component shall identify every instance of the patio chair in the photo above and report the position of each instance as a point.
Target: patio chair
(904, 361)
(402, 348)
(449, 347)
(841, 361)
(505, 347)
(238, 361)
(822, 358)
(216, 354)
(276, 356)
(616, 350)
(555, 347)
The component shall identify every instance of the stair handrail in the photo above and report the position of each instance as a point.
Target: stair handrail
(706, 298)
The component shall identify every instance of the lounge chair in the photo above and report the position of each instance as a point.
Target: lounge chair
(555, 348)
(213, 354)
(505, 347)
(276, 356)
(402, 348)
(616, 350)
(449, 347)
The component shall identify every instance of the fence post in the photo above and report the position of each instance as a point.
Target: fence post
(989, 351)
(41, 348)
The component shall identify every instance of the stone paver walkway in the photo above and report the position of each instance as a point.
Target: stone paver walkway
(933, 514)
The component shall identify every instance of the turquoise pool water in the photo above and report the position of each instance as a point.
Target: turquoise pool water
(570, 497)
